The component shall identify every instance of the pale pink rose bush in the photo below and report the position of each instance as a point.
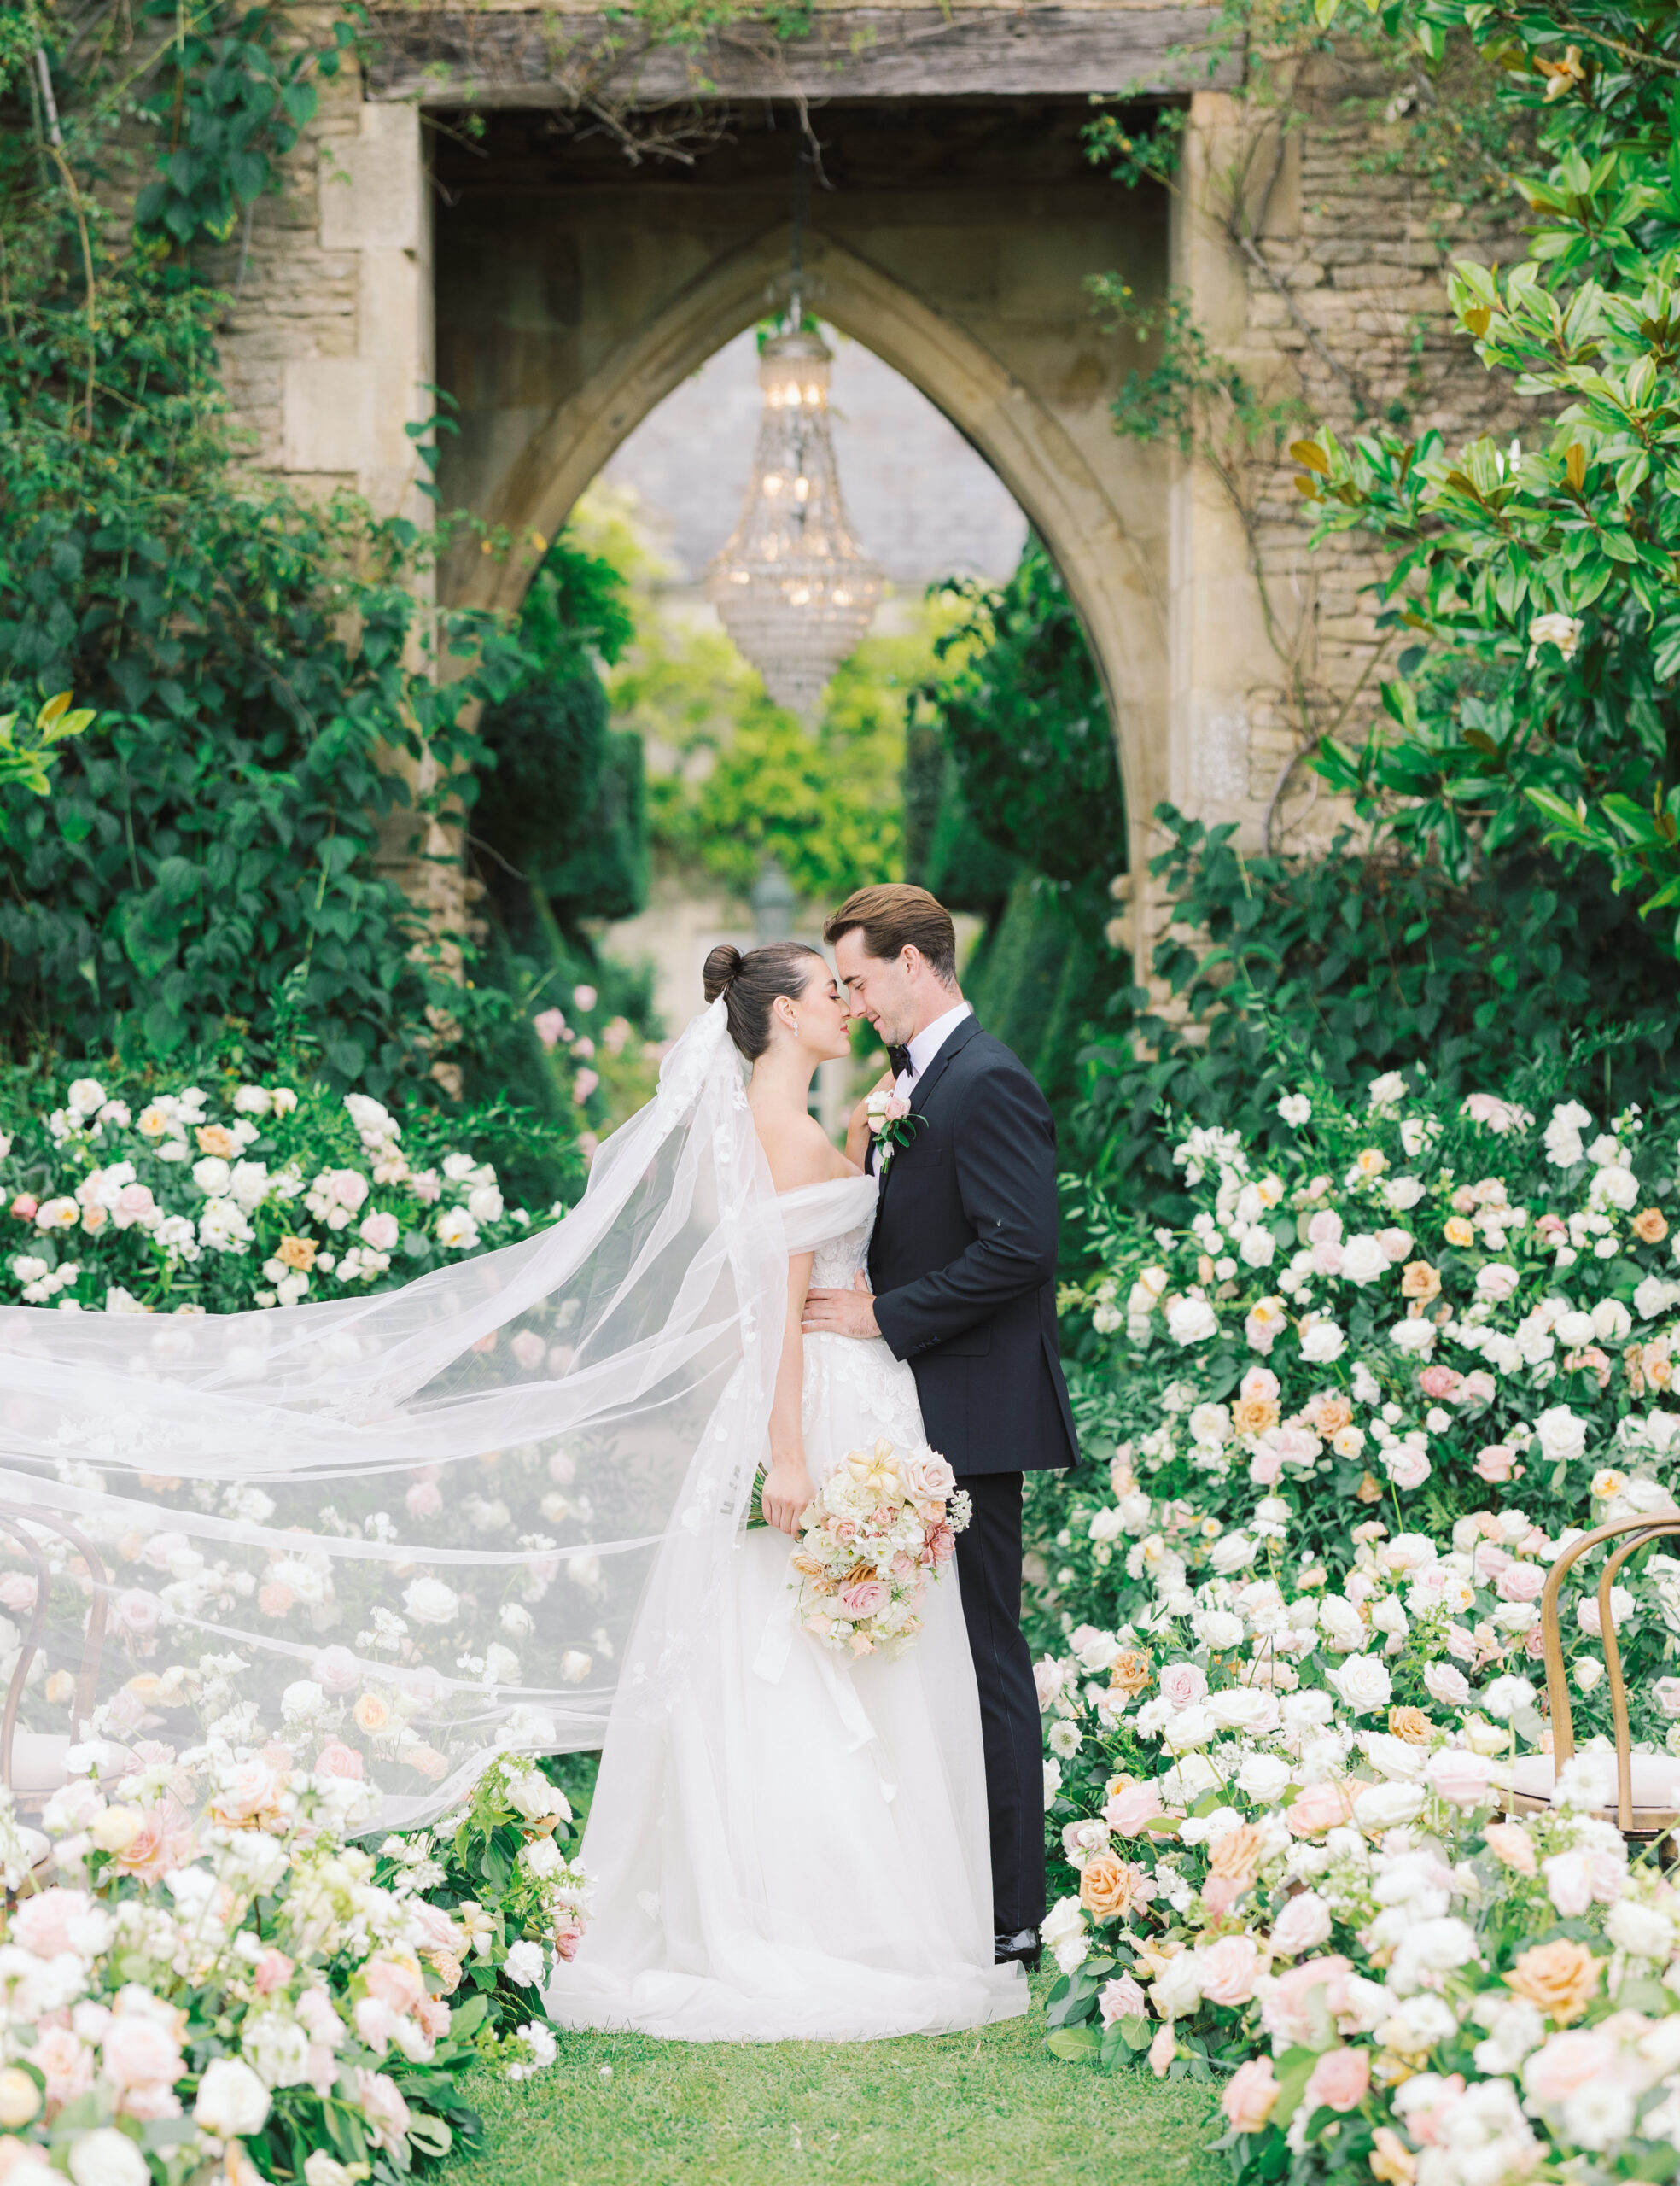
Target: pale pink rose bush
(224, 1981)
(1349, 1416)
(234, 1197)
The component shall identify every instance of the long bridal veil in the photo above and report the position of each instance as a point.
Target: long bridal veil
(387, 1536)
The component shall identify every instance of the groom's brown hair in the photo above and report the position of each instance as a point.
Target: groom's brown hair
(893, 916)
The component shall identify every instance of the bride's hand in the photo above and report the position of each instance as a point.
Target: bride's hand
(787, 1494)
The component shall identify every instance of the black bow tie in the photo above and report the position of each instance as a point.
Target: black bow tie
(899, 1058)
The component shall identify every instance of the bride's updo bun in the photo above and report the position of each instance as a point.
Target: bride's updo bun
(749, 984)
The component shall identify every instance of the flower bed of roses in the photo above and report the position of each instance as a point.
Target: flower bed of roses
(236, 1197)
(248, 1995)
(1354, 1411)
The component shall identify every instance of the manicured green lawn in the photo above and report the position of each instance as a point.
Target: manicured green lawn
(987, 2109)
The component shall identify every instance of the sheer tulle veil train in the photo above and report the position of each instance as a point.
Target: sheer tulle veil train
(413, 1529)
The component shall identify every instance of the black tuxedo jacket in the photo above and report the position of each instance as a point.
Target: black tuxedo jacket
(963, 1261)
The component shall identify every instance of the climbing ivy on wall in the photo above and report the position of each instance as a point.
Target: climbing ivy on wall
(256, 658)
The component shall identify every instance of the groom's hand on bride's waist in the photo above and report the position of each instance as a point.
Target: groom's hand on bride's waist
(841, 1312)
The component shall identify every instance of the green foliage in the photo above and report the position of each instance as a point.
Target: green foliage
(1021, 713)
(262, 685)
(1039, 978)
(27, 759)
(1365, 963)
(1545, 580)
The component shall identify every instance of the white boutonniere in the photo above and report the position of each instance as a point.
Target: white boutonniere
(891, 1123)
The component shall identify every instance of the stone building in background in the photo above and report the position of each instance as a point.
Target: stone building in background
(493, 204)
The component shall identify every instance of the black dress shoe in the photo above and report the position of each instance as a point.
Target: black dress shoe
(1022, 1948)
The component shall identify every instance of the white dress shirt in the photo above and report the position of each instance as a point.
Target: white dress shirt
(926, 1045)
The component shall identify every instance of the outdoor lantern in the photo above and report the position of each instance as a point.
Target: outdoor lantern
(794, 589)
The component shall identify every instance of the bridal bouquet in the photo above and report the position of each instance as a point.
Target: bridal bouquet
(883, 1522)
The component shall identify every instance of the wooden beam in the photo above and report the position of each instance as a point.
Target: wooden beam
(526, 58)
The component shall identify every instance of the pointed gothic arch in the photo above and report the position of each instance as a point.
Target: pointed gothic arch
(1113, 583)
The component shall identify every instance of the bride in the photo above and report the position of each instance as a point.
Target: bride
(799, 1850)
(385, 1538)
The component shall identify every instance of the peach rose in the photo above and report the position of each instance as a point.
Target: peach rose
(371, 1715)
(252, 1792)
(1109, 1887)
(1248, 2101)
(1559, 1978)
(1392, 2163)
(1409, 1724)
(1649, 1226)
(298, 1253)
(1237, 1856)
(274, 1599)
(1338, 2081)
(218, 1140)
(162, 1843)
(1511, 1844)
(1420, 1280)
(1130, 1672)
(1253, 1415)
(427, 1762)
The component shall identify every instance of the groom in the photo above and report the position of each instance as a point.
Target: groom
(963, 1263)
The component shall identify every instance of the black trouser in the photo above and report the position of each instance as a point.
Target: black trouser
(989, 1570)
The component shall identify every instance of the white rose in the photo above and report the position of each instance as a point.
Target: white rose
(1402, 1194)
(1258, 1247)
(1322, 1341)
(1232, 1553)
(1560, 1434)
(1248, 1708)
(1262, 1778)
(1644, 1930)
(1362, 1682)
(276, 2048)
(1063, 1924)
(211, 1175)
(1052, 1783)
(232, 2102)
(1220, 1629)
(1191, 1320)
(484, 1203)
(1498, 1281)
(1611, 1320)
(1572, 1330)
(104, 2157)
(1363, 1260)
(523, 1965)
(1178, 1989)
(429, 1601)
(1414, 1337)
(1617, 1188)
(1296, 1110)
(457, 1230)
(1386, 1806)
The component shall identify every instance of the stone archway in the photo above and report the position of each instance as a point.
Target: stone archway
(1108, 575)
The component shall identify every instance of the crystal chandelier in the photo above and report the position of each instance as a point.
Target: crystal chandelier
(793, 590)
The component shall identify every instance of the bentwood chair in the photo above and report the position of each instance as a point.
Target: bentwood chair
(1641, 1791)
(32, 1764)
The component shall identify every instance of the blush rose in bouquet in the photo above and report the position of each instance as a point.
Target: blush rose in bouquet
(884, 1523)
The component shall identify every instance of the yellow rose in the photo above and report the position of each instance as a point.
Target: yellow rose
(1457, 1231)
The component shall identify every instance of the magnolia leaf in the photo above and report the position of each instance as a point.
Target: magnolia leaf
(1575, 465)
(1312, 455)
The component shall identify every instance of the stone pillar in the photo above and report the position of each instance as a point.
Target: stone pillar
(345, 416)
(1217, 646)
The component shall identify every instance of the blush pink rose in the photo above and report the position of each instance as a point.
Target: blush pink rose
(44, 1924)
(335, 1669)
(1494, 1461)
(1520, 1582)
(1439, 1382)
(568, 1935)
(162, 1843)
(1182, 1685)
(1131, 1812)
(1395, 1243)
(1251, 2097)
(136, 2052)
(1461, 1644)
(1461, 1778)
(942, 1544)
(337, 1759)
(1409, 1470)
(66, 2063)
(1478, 1386)
(381, 1231)
(24, 1205)
(1265, 1465)
(396, 1981)
(528, 1350)
(1325, 1228)
(1327, 1258)
(867, 1598)
(18, 1590)
(1162, 2050)
(1230, 1968)
(1320, 1806)
(1338, 2081)
(1122, 1998)
(138, 1611)
(273, 1971)
(424, 1499)
(1568, 2063)
(433, 2014)
(1286, 2010)
(1303, 1924)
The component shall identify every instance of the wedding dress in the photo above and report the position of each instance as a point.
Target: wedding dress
(800, 1852)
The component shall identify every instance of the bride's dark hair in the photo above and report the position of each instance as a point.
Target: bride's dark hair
(751, 983)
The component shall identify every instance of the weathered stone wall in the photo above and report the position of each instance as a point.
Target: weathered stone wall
(563, 301)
